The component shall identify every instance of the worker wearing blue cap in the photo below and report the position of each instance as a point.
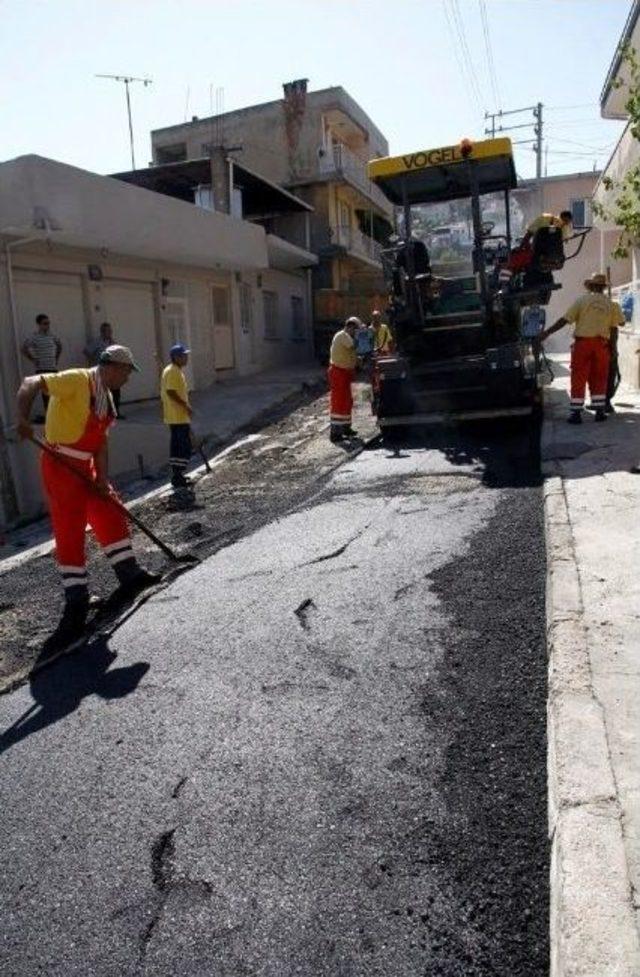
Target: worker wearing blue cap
(177, 413)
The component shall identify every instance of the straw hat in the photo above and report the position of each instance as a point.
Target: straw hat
(597, 280)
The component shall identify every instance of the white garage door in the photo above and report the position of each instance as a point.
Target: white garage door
(128, 306)
(59, 297)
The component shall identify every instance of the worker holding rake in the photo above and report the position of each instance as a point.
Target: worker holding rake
(343, 360)
(79, 415)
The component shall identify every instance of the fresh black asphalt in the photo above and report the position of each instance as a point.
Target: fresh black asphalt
(321, 753)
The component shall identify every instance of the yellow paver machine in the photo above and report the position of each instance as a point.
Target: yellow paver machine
(461, 350)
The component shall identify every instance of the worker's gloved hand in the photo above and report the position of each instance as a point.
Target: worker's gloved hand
(24, 429)
(103, 487)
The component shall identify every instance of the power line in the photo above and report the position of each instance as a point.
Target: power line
(536, 124)
(495, 88)
(565, 108)
(455, 47)
(458, 23)
(584, 145)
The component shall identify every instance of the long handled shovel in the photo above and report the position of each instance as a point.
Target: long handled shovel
(61, 460)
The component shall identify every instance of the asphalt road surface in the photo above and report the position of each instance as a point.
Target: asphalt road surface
(320, 752)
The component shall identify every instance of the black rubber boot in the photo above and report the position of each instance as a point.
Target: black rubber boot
(133, 578)
(336, 434)
(600, 415)
(73, 623)
(575, 417)
(350, 433)
(178, 478)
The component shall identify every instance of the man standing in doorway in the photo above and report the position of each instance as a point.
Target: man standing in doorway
(343, 360)
(93, 352)
(79, 416)
(177, 413)
(43, 349)
(594, 316)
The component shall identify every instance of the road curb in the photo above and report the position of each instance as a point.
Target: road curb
(592, 923)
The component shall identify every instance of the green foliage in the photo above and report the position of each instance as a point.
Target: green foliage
(624, 211)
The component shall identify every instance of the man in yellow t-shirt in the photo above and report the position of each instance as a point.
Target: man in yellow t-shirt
(382, 337)
(564, 221)
(595, 317)
(177, 413)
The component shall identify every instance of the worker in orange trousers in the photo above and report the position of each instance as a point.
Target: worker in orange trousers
(595, 318)
(79, 415)
(343, 360)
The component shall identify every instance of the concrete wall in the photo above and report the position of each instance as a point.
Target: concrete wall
(84, 209)
(556, 194)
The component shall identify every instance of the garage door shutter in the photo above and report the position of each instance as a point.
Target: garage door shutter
(59, 297)
(128, 306)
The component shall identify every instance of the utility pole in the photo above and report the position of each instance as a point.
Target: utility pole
(536, 111)
(127, 79)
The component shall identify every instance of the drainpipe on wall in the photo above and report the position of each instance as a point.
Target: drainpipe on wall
(8, 492)
(12, 295)
(310, 316)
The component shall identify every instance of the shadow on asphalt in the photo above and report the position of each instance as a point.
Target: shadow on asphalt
(596, 449)
(59, 689)
(507, 451)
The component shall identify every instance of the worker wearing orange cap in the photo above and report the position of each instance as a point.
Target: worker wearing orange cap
(79, 415)
(595, 317)
(343, 360)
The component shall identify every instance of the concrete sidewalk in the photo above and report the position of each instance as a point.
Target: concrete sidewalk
(139, 445)
(592, 519)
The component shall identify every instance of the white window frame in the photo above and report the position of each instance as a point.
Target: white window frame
(588, 213)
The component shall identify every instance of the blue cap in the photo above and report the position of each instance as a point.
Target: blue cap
(178, 350)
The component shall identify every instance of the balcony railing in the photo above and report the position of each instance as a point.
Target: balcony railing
(356, 242)
(621, 292)
(341, 162)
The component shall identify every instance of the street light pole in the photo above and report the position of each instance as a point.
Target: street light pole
(127, 79)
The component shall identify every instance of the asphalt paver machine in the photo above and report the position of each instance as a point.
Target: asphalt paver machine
(460, 348)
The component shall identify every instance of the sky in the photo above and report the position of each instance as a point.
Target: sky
(425, 71)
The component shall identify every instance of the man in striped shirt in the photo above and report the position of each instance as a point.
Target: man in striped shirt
(43, 349)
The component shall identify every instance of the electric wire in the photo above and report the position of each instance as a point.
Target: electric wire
(493, 77)
(461, 49)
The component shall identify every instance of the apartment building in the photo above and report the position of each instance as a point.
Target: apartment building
(624, 157)
(316, 144)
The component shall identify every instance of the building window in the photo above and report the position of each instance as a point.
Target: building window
(203, 197)
(581, 210)
(270, 300)
(297, 318)
(171, 154)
